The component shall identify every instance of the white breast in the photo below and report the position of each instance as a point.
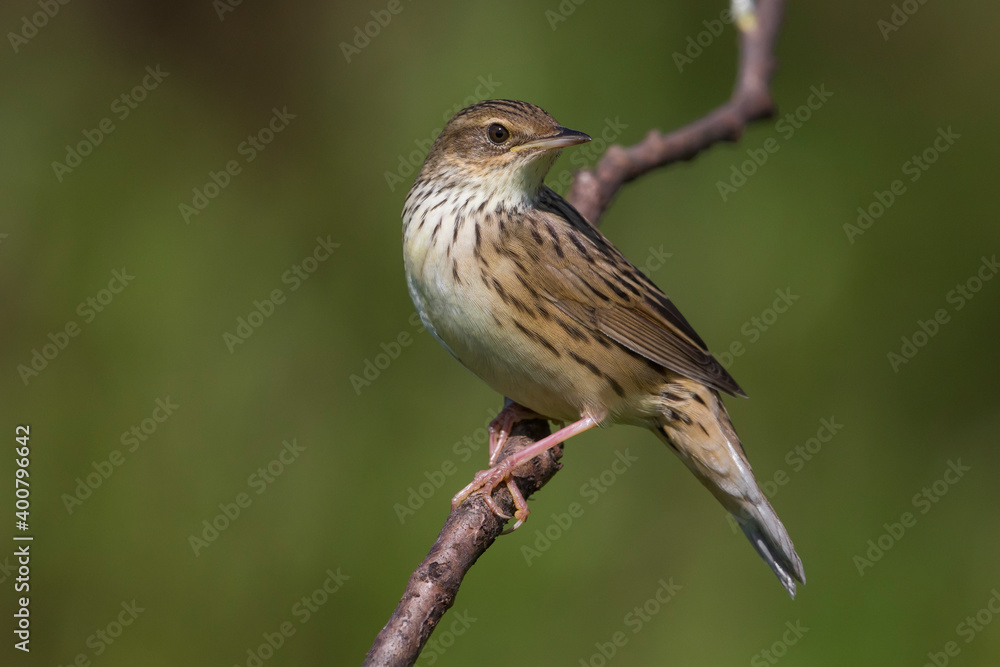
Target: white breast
(460, 313)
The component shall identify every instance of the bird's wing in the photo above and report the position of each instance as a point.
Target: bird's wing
(589, 280)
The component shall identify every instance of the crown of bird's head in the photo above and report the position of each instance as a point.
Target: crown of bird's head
(501, 145)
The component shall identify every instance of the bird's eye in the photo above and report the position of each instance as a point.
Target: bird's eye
(497, 133)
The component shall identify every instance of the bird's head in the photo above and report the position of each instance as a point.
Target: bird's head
(502, 147)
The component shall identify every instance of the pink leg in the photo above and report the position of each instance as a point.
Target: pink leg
(487, 480)
(501, 426)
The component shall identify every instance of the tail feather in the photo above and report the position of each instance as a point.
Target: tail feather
(768, 536)
(697, 428)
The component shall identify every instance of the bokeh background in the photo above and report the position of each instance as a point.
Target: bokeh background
(355, 124)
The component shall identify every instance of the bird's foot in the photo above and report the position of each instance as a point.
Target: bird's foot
(503, 423)
(488, 480)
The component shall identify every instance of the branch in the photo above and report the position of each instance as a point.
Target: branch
(467, 534)
(593, 189)
(472, 528)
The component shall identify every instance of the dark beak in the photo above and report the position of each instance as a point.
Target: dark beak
(561, 139)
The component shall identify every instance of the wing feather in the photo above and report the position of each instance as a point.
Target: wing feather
(593, 283)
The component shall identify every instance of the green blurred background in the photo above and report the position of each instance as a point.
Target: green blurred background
(339, 171)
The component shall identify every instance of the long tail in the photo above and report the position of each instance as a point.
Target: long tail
(696, 426)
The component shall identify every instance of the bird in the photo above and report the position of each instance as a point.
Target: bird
(531, 297)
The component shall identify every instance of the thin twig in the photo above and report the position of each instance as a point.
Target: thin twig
(593, 189)
(472, 527)
(467, 534)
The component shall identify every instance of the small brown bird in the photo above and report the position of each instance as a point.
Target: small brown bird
(533, 299)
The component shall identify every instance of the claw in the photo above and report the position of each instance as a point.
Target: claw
(488, 497)
(521, 510)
